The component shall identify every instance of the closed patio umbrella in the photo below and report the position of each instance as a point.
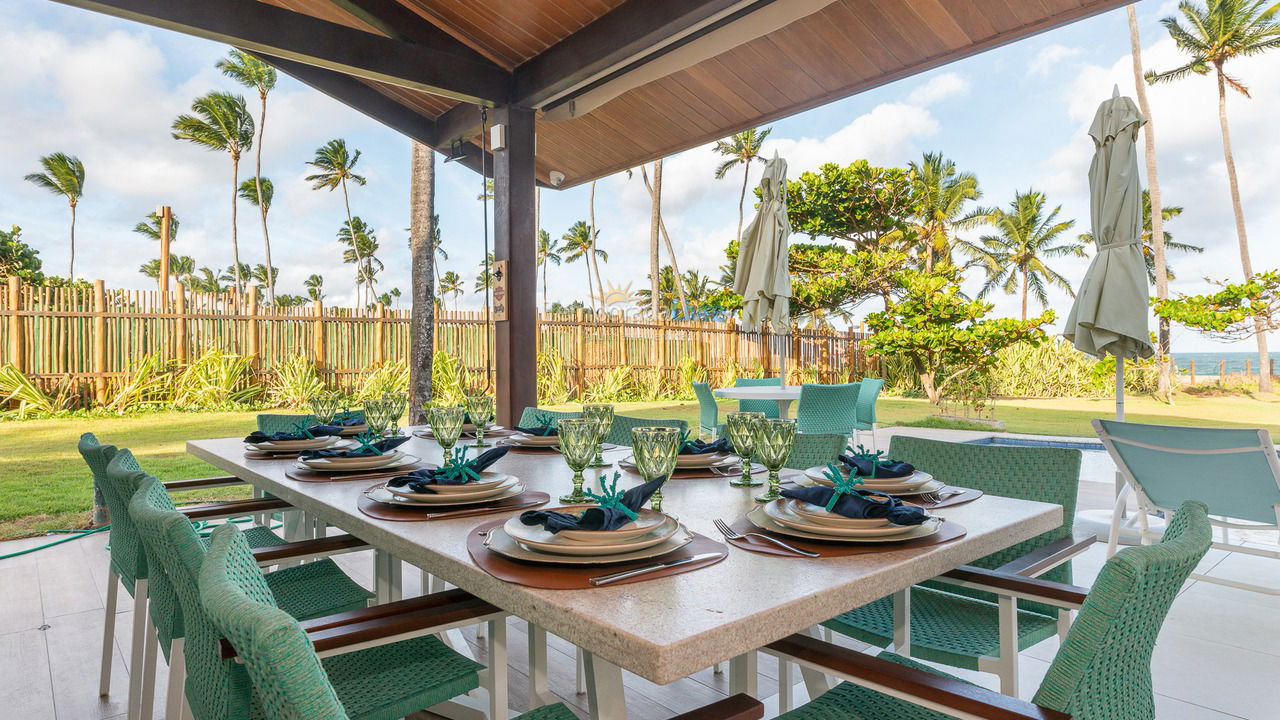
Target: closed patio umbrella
(762, 277)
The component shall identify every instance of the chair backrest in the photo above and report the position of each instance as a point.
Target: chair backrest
(529, 417)
(277, 422)
(829, 409)
(1235, 472)
(708, 411)
(768, 407)
(289, 681)
(866, 406)
(812, 449)
(126, 550)
(620, 432)
(1103, 669)
(217, 689)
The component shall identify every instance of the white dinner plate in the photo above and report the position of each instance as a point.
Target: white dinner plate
(760, 519)
(488, 480)
(383, 494)
(629, 463)
(819, 516)
(535, 440)
(645, 521)
(779, 513)
(405, 459)
(500, 542)
(928, 487)
(464, 494)
(918, 478)
(536, 538)
(293, 446)
(703, 460)
(349, 430)
(354, 463)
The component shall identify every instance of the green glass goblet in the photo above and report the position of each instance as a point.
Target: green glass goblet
(446, 425)
(655, 450)
(325, 406)
(774, 439)
(480, 409)
(377, 413)
(741, 427)
(396, 404)
(578, 445)
(603, 413)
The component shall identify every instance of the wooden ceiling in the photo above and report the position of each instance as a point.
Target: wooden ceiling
(661, 100)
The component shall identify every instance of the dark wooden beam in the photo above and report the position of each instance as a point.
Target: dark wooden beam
(259, 27)
(397, 21)
(460, 122)
(515, 231)
(618, 36)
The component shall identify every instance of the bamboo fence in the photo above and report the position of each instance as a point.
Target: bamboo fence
(88, 335)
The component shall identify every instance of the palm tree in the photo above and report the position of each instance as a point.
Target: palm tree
(940, 194)
(593, 258)
(451, 284)
(63, 175)
(437, 242)
(1222, 31)
(150, 228)
(655, 215)
(484, 279)
(1014, 258)
(258, 192)
(548, 254)
(206, 281)
(362, 245)
(742, 149)
(221, 122)
(180, 266)
(262, 277)
(576, 245)
(662, 229)
(337, 167)
(424, 245)
(252, 73)
(315, 286)
(696, 287)
(668, 282)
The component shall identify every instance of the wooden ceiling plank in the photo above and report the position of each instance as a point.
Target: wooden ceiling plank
(397, 21)
(852, 27)
(941, 20)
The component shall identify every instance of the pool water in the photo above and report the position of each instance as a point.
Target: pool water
(1095, 464)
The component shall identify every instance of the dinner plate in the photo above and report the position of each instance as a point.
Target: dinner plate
(819, 516)
(645, 521)
(292, 446)
(761, 519)
(535, 440)
(493, 483)
(536, 538)
(703, 460)
(629, 462)
(500, 542)
(780, 514)
(467, 429)
(405, 459)
(928, 487)
(384, 495)
(354, 463)
(349, 430)
(918, 478)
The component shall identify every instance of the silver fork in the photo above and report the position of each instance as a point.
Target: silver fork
(731, 534)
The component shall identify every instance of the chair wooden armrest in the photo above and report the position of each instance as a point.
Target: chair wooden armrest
(383, 624)
(317, 548)
(734, 707)
(1019, 586)
(1043, 559)
(234, 508)
(952, 697)
(202, 483)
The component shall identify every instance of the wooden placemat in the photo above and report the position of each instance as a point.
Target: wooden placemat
(319, 477)
(948, 532)
(422, 513)
(255, 455)
(575, 577)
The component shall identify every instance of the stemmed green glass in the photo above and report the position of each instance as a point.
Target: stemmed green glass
(480, 408)
(324, 406)
(741, 427)
(578, 445)
(377, 413)
(774, 439)
(446, 425)
(396, 403)
(603, 414)
(655, 450)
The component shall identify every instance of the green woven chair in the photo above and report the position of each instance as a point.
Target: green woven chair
(1101, 672)
(620, 432)
(529, 417)
(815, 449)
(866, 409)
(768, 407)
(708, 411)
(176, 552)
(827, 409)
(959, 626)
(280, 422)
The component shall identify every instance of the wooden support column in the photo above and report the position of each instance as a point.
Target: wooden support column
(17, 344)
(515, 233)
(165, 213)
(181, 349)
(99, 341)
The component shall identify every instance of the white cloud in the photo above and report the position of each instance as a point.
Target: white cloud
(943, 86)
(1050, 57)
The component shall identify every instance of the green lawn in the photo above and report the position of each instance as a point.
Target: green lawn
(44, 485)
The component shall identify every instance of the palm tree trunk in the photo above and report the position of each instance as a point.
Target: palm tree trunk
(742, 195)
(1264, 358)
(71, 265)
(422, 252)
(593, 259)
(235, 241)
(262, 206)
(1024, 294)
(355, 244)
(1157, 208)
(545, 261)
(666, 240)
(654, 214)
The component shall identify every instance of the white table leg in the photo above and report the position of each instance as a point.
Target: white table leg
(815, 682)
(604, 689)
(539, 690)
(744, 675)
(784, 409)
(497, 671)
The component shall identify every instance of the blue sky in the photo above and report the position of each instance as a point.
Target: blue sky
(107, 90)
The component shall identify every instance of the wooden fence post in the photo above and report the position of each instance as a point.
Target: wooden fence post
(166, 223)
(731, 327)
(661, 343)
(1192, 371)
(580, 352)
(251, 329)
(319, 335)
(379, 334)
(797, 352)
(99, 342)
(17, 341)
(1248, 369)
(181, 349)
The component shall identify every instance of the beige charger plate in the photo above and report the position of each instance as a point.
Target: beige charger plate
(540, 540)
(778, 512)
(760, 519)
(501, 543)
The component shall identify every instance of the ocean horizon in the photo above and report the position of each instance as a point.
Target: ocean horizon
(1208, 363)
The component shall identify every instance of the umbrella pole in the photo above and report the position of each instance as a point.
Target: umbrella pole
(1120, 418)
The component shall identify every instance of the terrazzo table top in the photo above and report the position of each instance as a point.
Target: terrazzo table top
(668, 628)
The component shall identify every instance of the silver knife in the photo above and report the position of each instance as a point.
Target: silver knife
(614, 577)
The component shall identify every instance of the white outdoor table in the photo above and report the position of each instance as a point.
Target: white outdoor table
(663, 629)
(784, 394)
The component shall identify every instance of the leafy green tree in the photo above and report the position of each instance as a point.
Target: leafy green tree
(336, 165)
(1234, 312)
(576, 244)
(18, 258)
(548, 254)
(861, 204)
(315, 286)
(668, 299)
(221, 123)
(944, 335)
(254, 74)
(741, 148)
(451, 284)
(829, 278)
(150, 228)
(1214, 34)
(63, 175)
(1026, 236)
(940, 195)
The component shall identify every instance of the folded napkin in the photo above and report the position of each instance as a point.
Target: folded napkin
(543, 430)
(350, 420)
(876, 467)
(375, 448)
(698, 447)
(596, 518)
(860, 504)
(420, 481)
(257, 436)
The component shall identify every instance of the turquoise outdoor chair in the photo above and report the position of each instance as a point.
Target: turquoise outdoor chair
(827, 409)
(811, 450)
(768, 407)
(1101, 672)
(708, 411)
(1235, 472)
(962, 627)
(620, 432)
(529, 417)
(866, 410)
(280, 422)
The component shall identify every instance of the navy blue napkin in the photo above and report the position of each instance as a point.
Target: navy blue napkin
(868, 467)
(594, 518)
(257, 436)
(420, 481)
(859, 505)
(699, 447)
(349, 420)
(384, 445)
(542, 430)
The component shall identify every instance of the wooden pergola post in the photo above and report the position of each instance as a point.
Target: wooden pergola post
(515, 233)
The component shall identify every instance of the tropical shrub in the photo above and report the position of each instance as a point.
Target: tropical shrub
(553, 379)
(146, 385)
(295, 381)
(617, 385)
(216, 379)
(447, 379)
(30, 398)
(689, 371)
(390, 377)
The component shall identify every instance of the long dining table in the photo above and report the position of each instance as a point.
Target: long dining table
(662, 629)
